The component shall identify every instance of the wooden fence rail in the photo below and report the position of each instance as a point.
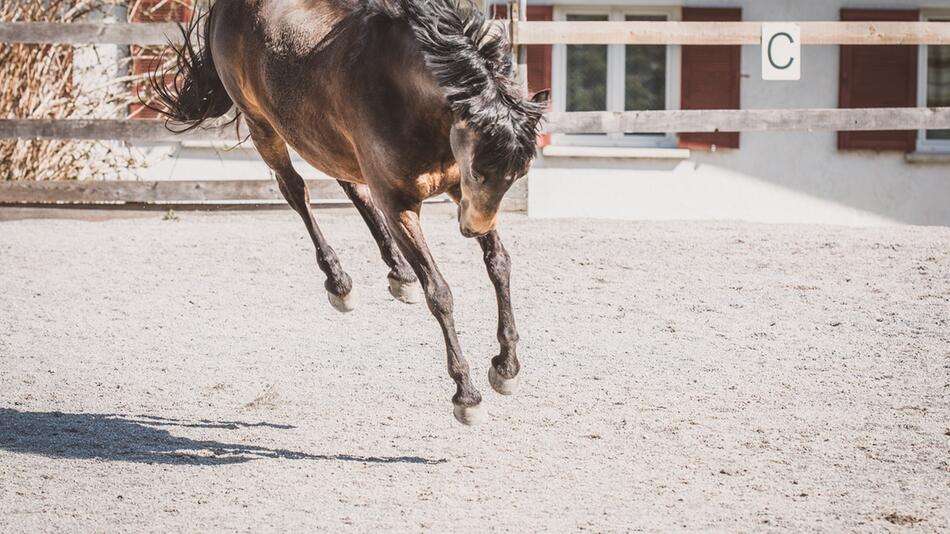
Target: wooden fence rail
(144, 131)
(746, 120)
(529, 33)
(750, 120)
(149, 192)
(729, 33)
(175, 193)
(89, 33)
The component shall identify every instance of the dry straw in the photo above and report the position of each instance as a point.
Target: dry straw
(60, 82)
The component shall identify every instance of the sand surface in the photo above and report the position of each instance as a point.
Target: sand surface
(190, 375)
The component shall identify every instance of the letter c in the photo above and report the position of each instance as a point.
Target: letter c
(772, 42)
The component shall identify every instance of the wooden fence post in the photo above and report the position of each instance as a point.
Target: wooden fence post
(518, 12)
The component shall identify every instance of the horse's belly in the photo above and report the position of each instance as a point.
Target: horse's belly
(336, 164)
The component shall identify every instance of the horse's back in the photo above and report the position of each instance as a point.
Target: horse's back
(325, 77)
(249, 30)
(265, 52)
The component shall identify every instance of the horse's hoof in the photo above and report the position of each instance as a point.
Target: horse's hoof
(344, 304)
(407, 292)
(470, 415)
(505, 386)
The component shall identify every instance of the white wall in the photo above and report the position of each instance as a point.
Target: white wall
(774, 177)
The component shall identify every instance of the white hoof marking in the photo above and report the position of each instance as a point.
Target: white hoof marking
(470, 415)
(344, 304)
(505, 386)
(405, 292)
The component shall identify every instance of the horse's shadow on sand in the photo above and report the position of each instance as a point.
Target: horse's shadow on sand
(142, 439)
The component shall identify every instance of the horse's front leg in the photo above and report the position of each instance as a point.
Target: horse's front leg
(503, 374)
(407, 230)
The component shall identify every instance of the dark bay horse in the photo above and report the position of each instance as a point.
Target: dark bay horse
(399, 100)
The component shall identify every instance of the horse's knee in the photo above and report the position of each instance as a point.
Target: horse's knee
(439, 298)
(497, 259)
(499, 263)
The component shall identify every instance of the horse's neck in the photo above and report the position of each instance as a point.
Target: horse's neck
(414, 100)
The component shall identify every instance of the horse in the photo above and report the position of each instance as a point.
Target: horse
(399, 101)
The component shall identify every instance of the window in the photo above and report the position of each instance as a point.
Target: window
(934, 86)
(645, 73)
(616, 77)
(586, 73)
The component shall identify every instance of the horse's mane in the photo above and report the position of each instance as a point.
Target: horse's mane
(471, 62)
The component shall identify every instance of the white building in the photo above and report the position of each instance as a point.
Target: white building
(821, 177)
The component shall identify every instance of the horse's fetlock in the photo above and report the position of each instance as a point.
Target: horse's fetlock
(339, 284)
(506, 364)
(467, 398)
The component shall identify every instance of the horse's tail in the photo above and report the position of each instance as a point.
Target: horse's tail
(189, 90)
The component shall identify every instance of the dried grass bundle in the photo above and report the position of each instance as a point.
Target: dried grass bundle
(58, 82)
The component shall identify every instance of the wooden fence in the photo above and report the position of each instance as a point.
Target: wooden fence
(534, 33)
(728, 33)
(522, 33)
(696, 120)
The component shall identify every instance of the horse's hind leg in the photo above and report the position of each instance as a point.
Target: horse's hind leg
(273, 151)
(403, 283)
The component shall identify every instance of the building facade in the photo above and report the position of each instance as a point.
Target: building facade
(864, 178)
(814, 177)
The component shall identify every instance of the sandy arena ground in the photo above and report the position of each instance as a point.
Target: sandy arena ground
(190, 376)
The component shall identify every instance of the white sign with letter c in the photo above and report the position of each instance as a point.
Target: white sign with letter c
(781, 51)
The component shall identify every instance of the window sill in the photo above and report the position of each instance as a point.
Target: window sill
(928, 158)
(562, 151)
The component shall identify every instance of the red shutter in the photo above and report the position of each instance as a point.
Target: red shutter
(539, 56)
(878, 77)
(711, 78)
(499, 11)
(147, 58)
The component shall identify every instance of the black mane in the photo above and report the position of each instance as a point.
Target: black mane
(471, 61)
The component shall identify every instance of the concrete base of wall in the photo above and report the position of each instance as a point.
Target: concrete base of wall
(685, 192)
(801, 179)
(774, 178)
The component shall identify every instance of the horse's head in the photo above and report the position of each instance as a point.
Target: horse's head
(491, 159)
(495, 130)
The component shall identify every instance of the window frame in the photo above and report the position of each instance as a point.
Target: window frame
(616, 65)
(930, 146)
